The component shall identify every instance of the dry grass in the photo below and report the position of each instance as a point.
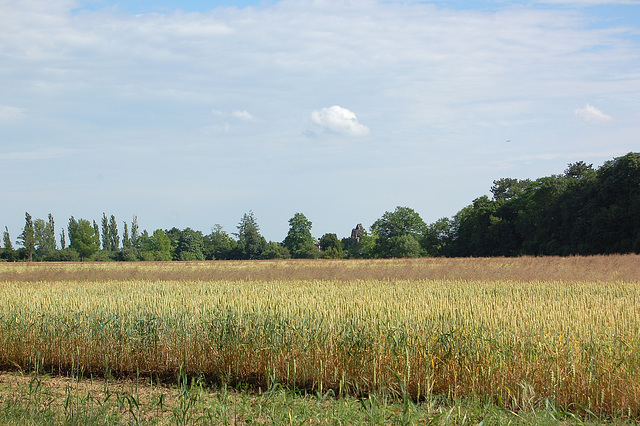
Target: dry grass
(514, 332)
(574, 268)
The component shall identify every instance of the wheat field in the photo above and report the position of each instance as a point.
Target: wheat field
(517, 333)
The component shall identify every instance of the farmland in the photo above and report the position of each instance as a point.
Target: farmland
(515, 333)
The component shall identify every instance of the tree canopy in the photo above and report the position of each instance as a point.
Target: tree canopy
(580, 211)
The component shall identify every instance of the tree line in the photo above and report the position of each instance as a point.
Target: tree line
(581, 211)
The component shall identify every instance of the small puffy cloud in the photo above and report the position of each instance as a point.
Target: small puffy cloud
(591, 114)
(339, 120)
(242, 115)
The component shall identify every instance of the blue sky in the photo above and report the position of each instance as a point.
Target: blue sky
(190, 114)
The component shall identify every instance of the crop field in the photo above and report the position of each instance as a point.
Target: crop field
(517, 333)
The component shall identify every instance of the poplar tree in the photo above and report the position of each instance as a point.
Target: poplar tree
(97, 232)
(8, 247)
(106, 241)
(114, 239)
(134, 231)
(27, 238)
(50, 235)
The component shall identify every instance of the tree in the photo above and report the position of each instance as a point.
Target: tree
(114, 239)
(126, 242)
(83, 238)
(145, 247)
(402, 221)
(49, 237)
(219, 244)
(437, 237)
(579, 170)
(161, 245)
(27, 238)
(250, 243)
(405, 246)
(63, 240)
(331, 247)
(299, 241)
(134, 231)
(106, 246)
(8, 252)
(190, 245)
(507, 188)
(45, 241)
(275, 251)
(97, 232)
(38, 233)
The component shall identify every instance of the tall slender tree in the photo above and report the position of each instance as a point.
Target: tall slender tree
(114, 239)
(63, 240)
(50, 235)
(106, 241)
(27, 237)
(97, 232)
(8, 247)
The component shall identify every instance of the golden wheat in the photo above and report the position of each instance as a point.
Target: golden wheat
(515, 342)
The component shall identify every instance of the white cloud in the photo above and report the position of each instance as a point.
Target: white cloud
(237, 114)
(339, 120)
(242, 115)
(591, 114)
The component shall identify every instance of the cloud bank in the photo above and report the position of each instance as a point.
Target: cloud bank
(339, 120)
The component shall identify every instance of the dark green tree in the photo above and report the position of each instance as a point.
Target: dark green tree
(616, 216)
(250, 243)
(219, 244)
(134, 231)
(27, 238)
(174, 236)
(405, 246)
(38, 233)
(50, 237)
(161, 245)
(331, 247)
(45, 241)
(437, 238)
(145, 247)
(126, 241)
(299, 241)
(106, 246)
(579, 170)
(97, 232)
(275, 251)
(507, 188)
(83, 238)
(402, 221)
(114, 239)
(191, 245)
(8, 252)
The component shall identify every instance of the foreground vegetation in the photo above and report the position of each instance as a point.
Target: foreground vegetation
(511, 334)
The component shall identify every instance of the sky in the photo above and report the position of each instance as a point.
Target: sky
(193, 113)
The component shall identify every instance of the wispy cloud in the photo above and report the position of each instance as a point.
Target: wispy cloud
(339, 120)
(10, 114)
(591, 114)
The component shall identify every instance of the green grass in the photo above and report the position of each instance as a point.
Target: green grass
(42, 400)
